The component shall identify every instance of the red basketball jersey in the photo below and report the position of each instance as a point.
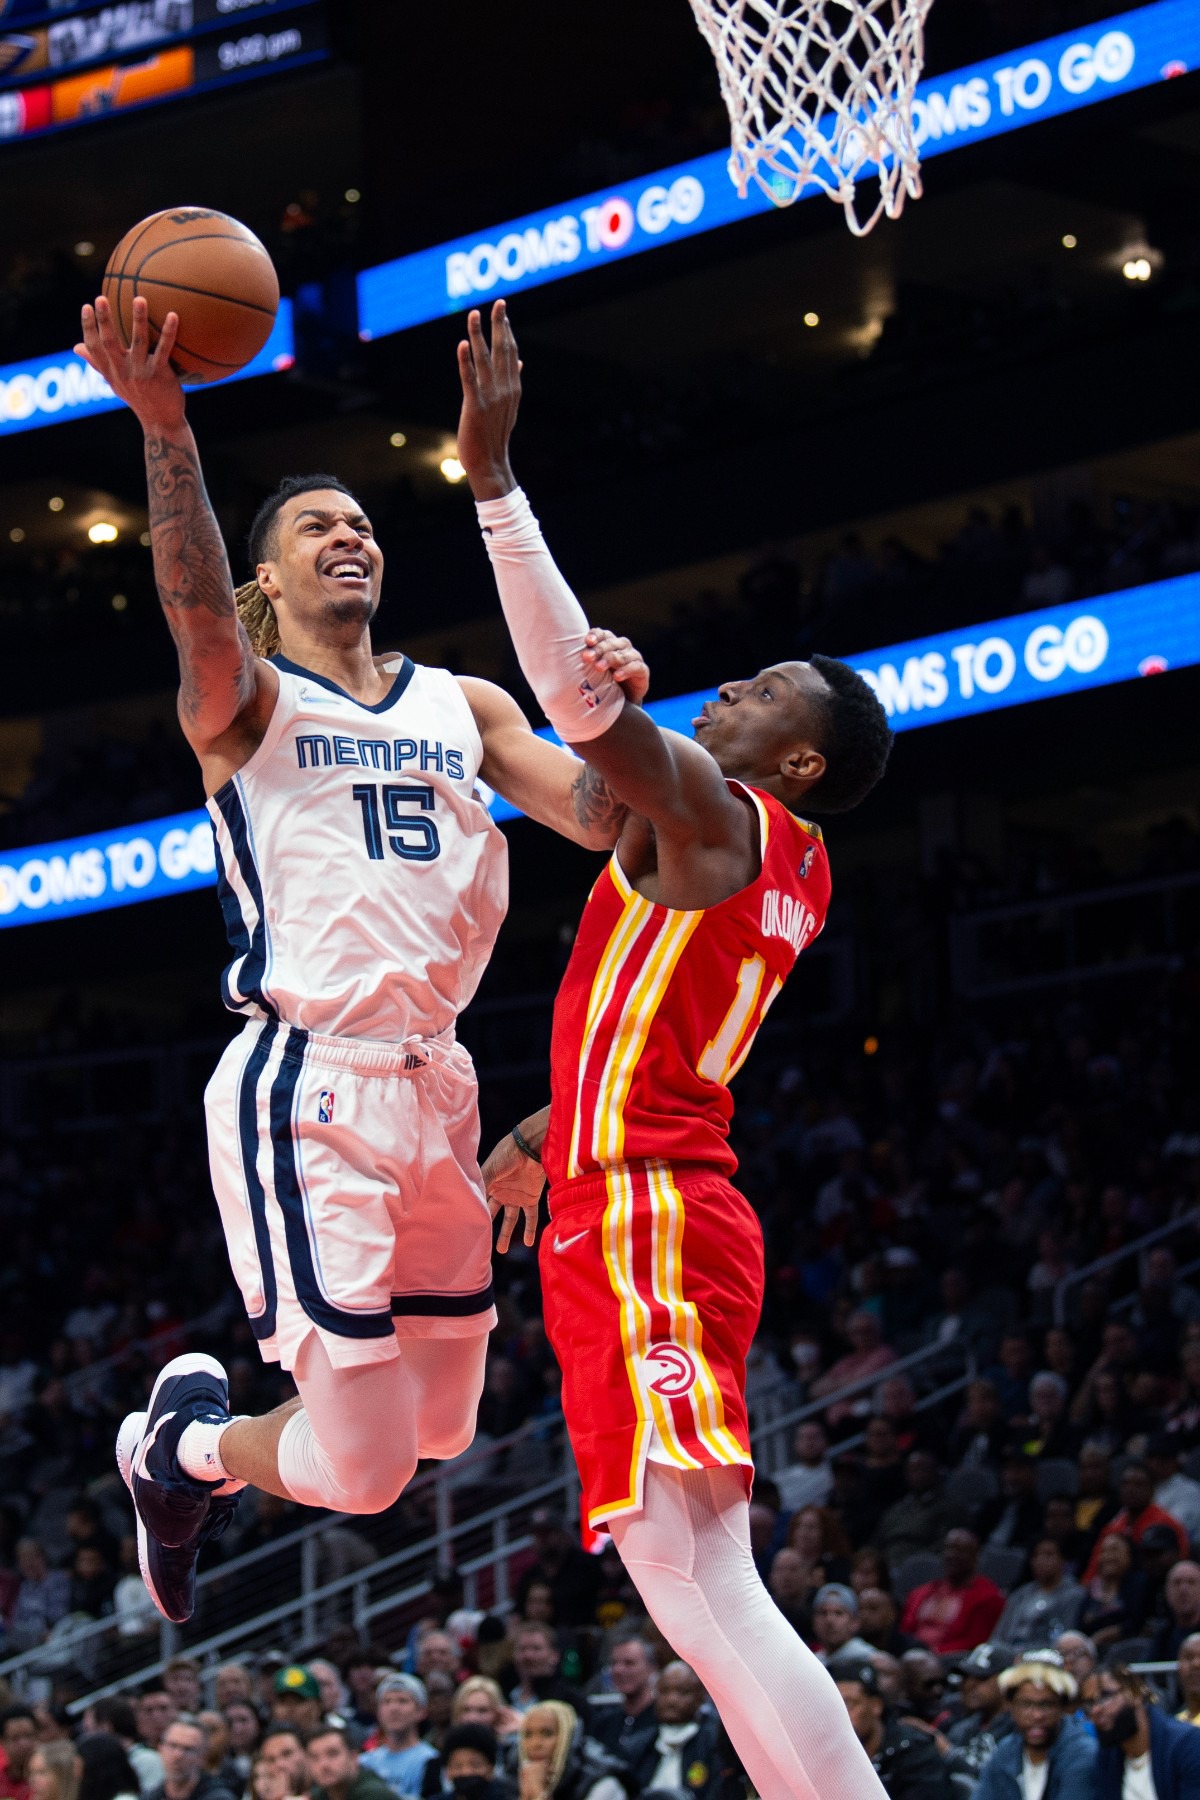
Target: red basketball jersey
(658, 1009)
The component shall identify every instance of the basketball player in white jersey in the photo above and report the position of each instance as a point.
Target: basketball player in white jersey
(363, 883)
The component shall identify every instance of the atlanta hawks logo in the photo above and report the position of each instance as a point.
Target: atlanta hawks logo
(678, 1370)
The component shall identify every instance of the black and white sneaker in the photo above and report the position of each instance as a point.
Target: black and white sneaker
(176, 1515)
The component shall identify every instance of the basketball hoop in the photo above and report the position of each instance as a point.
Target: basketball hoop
(819, 94)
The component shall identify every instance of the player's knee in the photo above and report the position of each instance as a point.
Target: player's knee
(447, 1438)
(374, 1483)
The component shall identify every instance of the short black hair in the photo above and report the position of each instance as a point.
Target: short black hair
(17, 1711)
(276, 1728)
(117, 1714)
(471, 1737)
(856, 739)
(263, 541)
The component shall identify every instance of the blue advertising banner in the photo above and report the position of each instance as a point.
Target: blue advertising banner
(1061, 74)
(1009, 662)
(49, 389)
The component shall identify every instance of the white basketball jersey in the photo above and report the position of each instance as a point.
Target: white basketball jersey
(360, 874)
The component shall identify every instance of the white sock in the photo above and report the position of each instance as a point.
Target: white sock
(199, 1453)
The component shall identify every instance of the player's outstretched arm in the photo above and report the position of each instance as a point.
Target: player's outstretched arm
(217, 679)
(664, 777)
(541, 779)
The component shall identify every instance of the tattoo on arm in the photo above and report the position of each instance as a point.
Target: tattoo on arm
(191, 567)
(596, 806)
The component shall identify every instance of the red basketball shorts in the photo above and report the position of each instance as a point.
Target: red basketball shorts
(652, 1280)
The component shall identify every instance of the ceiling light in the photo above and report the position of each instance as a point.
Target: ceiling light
(353, 196)
(102, 532)
(145, 540)
(85, 248)
(17, 535)
(119, 603)
(1069, 240)
(397, 440)
(451, 468)
(56, 503)
(1136, 268)
(812, 318)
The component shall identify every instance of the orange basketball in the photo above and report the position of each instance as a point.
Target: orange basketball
(210, 270)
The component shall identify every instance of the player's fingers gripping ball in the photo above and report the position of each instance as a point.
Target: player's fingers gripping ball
(208, 269)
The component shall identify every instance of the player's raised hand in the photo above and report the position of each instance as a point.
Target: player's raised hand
(513, 1183)
(606, 652)
(141, 377)
(491, 390)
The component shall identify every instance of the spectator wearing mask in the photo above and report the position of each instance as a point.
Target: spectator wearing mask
(905, 1758)
(960, 1608)
(920, 1521)
(986, 1720)
(1041, 1610)
(835, 1624)
(1137, 1515)
(623, 1718)
(18, 1740)
(1182, 1593)
(1144, 1753)
(336, 1768)
(469, 1758)
(687, 1752)
(808, 1480)
(1189, 1680)
(1046, 1757)
(184, 1774)
(402, 1759)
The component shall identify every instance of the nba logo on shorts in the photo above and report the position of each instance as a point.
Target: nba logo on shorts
(807, 864)
(325, 1107)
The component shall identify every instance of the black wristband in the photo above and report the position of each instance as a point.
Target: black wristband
(524, 1146)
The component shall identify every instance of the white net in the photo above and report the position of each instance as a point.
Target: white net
(820, 92)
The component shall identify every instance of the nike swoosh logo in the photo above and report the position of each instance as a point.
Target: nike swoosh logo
(146, 1445)
(561, 1244)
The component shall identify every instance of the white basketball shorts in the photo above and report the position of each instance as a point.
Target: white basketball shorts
(347, 1177)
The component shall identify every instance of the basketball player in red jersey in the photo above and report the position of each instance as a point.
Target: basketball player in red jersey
(652, 1271)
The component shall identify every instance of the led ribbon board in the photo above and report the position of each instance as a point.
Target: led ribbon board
(1061, 74)
(51, 389)
(1034, 656)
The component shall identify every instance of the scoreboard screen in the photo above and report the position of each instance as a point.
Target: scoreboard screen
(70, 63)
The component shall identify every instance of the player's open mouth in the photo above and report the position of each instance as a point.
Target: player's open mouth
(348, 570)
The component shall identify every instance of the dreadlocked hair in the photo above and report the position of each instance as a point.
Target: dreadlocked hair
(258, 617)
(1135, 1685)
